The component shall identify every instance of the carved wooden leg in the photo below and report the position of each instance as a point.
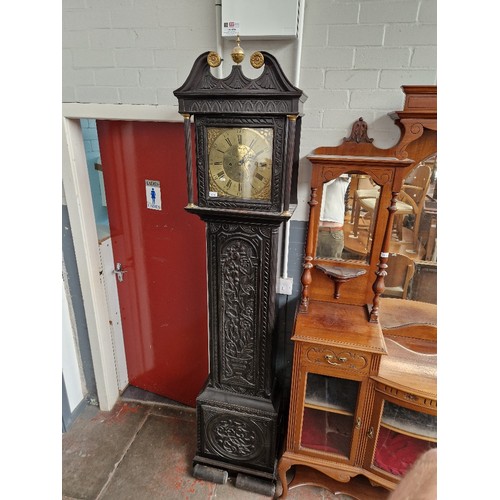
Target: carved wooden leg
(283, 467)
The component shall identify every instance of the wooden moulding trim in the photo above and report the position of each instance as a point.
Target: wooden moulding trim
(397, 391)
(313, 461)
(420, 97)
(338, 343)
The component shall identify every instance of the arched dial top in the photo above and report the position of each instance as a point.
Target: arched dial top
(240, 162)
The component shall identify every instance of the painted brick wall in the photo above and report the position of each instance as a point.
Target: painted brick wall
(355, 57)
(90, 141)
(133, 52)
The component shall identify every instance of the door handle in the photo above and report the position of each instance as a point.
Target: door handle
(118, 271)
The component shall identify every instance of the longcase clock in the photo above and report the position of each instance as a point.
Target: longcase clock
(246, 137)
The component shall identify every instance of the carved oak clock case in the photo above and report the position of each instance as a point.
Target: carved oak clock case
(246, 149)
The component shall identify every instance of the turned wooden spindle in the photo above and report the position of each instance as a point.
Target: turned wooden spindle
(306, 277)
(189, 157)
(379, 284)
(292, 120)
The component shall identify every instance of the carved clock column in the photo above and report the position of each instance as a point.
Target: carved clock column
(245, 134)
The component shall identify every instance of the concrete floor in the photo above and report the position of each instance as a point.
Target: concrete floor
(143, 450)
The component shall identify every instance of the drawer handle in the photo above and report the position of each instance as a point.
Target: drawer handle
(411, 397)
(330, 357)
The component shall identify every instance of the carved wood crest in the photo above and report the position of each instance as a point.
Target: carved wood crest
(359, 132)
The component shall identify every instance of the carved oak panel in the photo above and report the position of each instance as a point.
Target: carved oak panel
(234, 436)
(237, 434)
(241, 270)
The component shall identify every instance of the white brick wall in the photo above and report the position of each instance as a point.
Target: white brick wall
(367, 49)
(355, 57)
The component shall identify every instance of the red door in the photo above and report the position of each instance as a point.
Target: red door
(163, 299)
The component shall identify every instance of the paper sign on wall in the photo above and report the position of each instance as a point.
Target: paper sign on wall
(153, 195)
(230, 28)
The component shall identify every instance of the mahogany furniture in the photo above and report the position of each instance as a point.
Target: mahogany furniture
(363, 398)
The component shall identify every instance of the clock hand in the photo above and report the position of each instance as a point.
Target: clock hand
(244, 158)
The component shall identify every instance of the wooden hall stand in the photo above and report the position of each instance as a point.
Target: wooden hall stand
(363, 401)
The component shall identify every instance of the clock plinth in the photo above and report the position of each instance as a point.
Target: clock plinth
(237, 433)
(246, 149)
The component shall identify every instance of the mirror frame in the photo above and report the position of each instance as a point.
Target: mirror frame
(388, 168)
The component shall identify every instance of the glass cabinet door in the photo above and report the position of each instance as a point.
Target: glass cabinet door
(329, 414)
(403, 436)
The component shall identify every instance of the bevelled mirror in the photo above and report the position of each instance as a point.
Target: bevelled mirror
(345, 229)
(412, 263)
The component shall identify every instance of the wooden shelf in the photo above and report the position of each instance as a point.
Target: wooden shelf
(340, 325)
(330, 409)
(407, 433)
(409, 370)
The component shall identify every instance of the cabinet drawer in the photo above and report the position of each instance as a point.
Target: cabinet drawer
(408, 397)
(336, 358)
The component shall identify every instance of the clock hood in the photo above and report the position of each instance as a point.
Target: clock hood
(271, 92)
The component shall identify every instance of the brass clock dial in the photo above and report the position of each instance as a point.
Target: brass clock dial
(240, 162)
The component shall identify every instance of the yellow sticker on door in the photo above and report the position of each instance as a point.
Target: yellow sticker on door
(153, 195)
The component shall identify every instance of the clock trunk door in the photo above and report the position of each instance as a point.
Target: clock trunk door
(162, 252)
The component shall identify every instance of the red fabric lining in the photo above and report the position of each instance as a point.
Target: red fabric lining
(325, 431)
(395, 452)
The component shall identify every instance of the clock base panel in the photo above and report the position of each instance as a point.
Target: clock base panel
(237, 433)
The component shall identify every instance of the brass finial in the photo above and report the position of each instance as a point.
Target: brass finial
(257, 60)
(238, 54)
(213, 59)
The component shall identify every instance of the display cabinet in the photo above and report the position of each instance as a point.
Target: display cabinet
(404, 417)
(363, 394)
(329, 398)
(403, 435)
